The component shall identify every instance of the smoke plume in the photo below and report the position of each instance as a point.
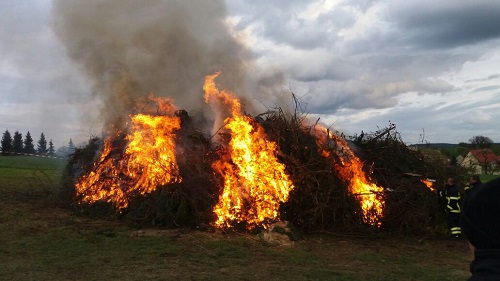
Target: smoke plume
(128, 49)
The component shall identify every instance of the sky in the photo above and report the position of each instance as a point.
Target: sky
(430, 68)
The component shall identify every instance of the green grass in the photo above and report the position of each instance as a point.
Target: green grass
(39, 241)
(487, 178)
(28, 173)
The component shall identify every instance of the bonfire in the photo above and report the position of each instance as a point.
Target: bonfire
(252, 172)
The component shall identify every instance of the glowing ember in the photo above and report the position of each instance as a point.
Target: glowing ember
(429, 183)
(351, 170)
(147, 162)
(255, 183)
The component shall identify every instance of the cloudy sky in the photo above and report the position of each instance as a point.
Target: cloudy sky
(430, 67)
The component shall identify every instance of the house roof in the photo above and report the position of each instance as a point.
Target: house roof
(484, 155)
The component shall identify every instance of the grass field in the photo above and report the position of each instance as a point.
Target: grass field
(39, 241)
(27, 173)
(487, 178)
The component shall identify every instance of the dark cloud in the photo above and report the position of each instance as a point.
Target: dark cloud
(430, 24)
(400, 55)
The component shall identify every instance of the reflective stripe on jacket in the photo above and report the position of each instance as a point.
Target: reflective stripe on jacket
(452, 196)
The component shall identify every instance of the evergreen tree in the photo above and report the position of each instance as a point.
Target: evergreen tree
(71, 146)
(28, 144)
(41, 147)
(18, 142)
(6, 142)
(52, 151)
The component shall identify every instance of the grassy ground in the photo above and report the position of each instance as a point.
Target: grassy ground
(27, 173)
(487, 178)
(39, 241)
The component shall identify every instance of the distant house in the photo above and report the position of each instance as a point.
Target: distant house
(482, 161)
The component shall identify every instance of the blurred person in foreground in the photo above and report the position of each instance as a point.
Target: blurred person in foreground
(480, 221)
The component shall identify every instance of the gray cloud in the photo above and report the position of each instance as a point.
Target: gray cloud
(353, 57)
(408, 48)
(282, 23)
(491, 77)
(35, 78)
(430, 24)
(486, 88)
(429, 122)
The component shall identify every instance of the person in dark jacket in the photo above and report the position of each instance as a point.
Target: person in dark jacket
(451, 194)
(480, 221)
(474, 184)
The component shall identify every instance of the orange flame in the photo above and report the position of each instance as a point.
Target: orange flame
(147, 162)
(429, 183)
(351, 169)
(255, 183)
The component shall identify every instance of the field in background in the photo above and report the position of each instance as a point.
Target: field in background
(29, 173)
(487, 178)
(39, 241)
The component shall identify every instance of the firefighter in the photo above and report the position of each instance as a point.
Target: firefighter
(451, 194)
(474, 184)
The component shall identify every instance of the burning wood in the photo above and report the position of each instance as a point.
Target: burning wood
(350, 169)
(259, 171)
(147, 162)
(255, 182)
(429, 183)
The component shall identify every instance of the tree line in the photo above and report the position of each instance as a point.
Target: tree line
(19, 145)
(475, 142)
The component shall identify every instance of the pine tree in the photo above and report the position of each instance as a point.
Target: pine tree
(51, 148)
(28, 144)
(6, 142)
(41, 147)
(71, 146)
(18, 142)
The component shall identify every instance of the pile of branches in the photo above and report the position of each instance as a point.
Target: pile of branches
(320, 201)
(410, 206)
(188, 203)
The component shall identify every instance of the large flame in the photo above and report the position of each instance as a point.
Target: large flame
(255, 183)
(351, 170)
(147, 162)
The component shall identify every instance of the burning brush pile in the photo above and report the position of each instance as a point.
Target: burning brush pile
(252, 172)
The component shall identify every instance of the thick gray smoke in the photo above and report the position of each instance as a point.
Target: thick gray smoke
(128, 49)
